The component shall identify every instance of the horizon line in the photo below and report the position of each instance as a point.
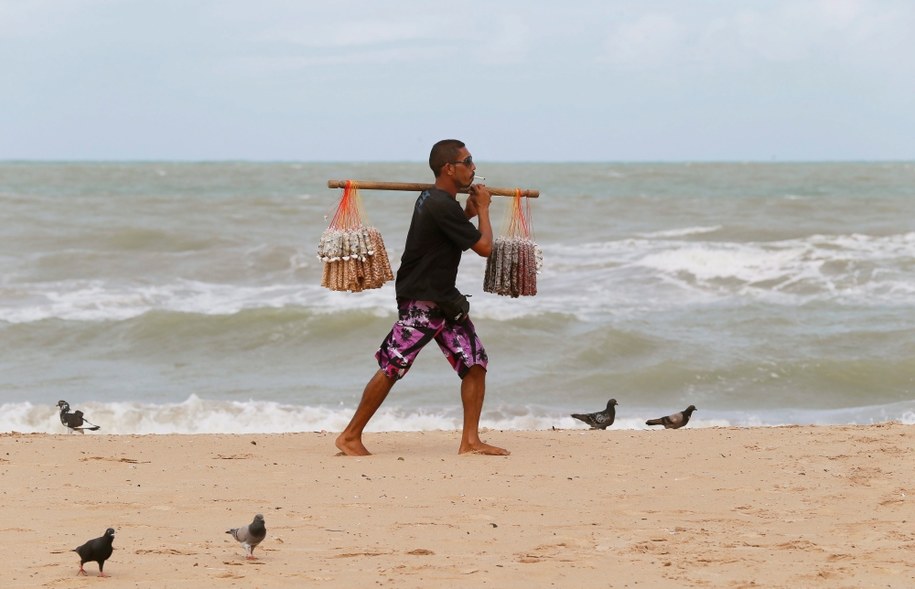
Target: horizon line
(423, 162)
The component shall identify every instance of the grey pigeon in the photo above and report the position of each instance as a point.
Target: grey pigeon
(675, 421)
(97, 550)
(75, 421)
(600, 419)
(251, 535)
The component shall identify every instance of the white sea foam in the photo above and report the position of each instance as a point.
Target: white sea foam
(586, 278)
(97, 300)
(864, 269)
(684, 232)
(199, 416)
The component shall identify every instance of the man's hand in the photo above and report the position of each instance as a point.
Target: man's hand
(479, 199)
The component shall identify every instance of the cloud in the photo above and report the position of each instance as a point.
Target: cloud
(319, 34)
(356, 33)
(507, 42)
(649, 40)
(266, 64)
(732, 35)
(24, 19)
(591, 68)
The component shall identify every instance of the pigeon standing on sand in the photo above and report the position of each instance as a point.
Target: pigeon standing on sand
(675, 421)
(97, 550)
(251, 535)
(600, 419)
(75, 421)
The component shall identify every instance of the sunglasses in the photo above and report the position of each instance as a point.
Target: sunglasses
(467, 161)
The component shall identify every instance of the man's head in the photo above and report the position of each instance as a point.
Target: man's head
(446, 151)
(452, 164)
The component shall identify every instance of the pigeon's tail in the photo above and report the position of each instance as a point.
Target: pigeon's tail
(655, 422)
(580, 416)
(92, 427)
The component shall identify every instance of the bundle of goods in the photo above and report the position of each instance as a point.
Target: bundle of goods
(354, 255)
(355, 258)
(512, 267)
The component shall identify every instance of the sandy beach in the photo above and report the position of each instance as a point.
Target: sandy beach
(706, 507)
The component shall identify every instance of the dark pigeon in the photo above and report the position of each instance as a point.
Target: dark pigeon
(675, 421)
(251, 535)
(97, 550)
(601, 419)
(75, 421)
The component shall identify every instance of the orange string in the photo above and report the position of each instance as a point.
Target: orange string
(349, 214)
(518, 224)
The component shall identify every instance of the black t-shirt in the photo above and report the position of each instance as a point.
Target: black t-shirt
(439, 233)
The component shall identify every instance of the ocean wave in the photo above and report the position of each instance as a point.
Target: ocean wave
(845, 267)
(99, 300)
(853, 268)
(583, 279)
(200, 416)
(682, 232)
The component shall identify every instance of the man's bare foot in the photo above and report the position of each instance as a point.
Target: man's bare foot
(482, 448)
(351, 447)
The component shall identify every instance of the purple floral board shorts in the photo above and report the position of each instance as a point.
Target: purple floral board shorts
(419, 323)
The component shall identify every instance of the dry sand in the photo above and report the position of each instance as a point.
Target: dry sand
(721, 507)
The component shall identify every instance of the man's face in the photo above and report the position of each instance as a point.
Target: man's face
(464, 168)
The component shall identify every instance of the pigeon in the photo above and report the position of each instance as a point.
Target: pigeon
(98, 550)
(250, 536)
(600, 419)
(75, 421)
(675, 421)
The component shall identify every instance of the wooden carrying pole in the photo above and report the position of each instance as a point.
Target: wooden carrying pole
(419, 187)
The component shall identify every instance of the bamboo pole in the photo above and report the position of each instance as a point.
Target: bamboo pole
(419, 187)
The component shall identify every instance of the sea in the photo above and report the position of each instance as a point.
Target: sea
(176, 297)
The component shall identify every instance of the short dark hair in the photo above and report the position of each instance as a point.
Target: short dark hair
(444, 152)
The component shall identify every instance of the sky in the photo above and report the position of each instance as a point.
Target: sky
(518, 80)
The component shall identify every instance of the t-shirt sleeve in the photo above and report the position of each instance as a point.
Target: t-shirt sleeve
(455, 224)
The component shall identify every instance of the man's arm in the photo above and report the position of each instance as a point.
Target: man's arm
(478, 205)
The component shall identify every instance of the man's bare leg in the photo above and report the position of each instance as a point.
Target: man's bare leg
(349, 442)
(473, 390)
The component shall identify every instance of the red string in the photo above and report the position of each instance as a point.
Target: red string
(348, 214)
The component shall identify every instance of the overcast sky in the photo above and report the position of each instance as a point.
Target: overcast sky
(518, 80)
